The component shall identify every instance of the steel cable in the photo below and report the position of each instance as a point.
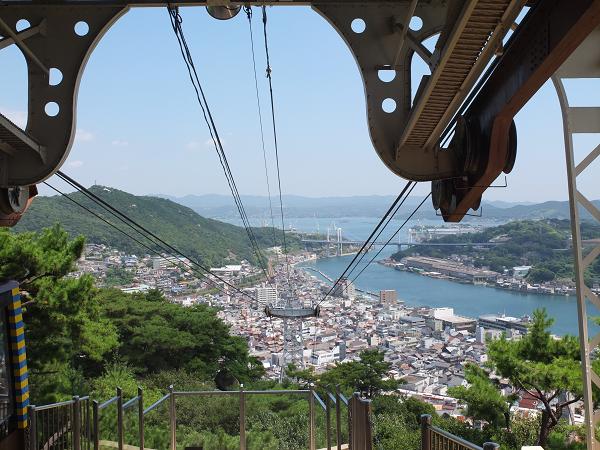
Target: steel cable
(276, 145)
(140, 229)
(153, 251)
(176, 23)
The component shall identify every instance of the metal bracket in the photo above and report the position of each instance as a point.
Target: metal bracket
(549, 33)
(23, 35)
(385, 44)
(63, 40)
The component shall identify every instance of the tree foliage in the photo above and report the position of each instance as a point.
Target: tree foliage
(367, 375)
(544, 367)
(156, 335)
(483, 399)
(65, 332)
(207, 240)
(74, 330)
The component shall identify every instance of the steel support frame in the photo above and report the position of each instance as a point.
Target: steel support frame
(385, 44)
(293, 345)
(583, 63)
(549, 33)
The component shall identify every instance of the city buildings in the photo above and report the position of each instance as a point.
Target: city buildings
(427, 348)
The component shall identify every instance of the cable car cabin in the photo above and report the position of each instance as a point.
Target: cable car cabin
(14, 389)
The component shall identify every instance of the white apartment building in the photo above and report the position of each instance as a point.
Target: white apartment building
(266, 296)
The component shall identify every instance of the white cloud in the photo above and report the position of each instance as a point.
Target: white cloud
(119, 143)
(192, 145)
(75, 164)
(17, 117)
(83, 136)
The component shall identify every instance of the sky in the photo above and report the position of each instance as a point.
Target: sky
(139, 127)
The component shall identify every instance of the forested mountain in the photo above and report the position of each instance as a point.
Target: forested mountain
(209, 240)
(543, 244)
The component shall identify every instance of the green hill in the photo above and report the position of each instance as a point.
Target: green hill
(208, 240)
(543, 244)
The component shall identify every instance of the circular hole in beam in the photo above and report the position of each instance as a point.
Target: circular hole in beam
(52, 109)
(22, 24)
(416, 23)
(358, 26)
(386, 75)
(56, 76)
(388, 105)
(81, 28)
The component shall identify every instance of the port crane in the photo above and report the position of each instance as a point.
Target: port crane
(458, 133)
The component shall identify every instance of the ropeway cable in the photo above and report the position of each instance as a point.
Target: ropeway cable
(392, 237)
(176, 23)
(248, 10)
(385, 244)
(269, 71)
(375, 230)
(153, 251)
(163, 247)
(382, 229)
(143, 231)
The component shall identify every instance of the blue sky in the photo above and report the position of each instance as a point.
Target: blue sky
(140, 129)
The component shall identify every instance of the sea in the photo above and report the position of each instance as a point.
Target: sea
(418, 290)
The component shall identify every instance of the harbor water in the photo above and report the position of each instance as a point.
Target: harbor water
(418, 290)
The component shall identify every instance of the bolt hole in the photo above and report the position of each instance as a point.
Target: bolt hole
(56, 76)
(81, 28)
(389, 105)
(52, 109)
(358, 26)
(416, 23)
(22, 24)
(386, 75)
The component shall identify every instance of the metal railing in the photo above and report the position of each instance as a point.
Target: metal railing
(77, 424)
(243, 394)
(336, 400)
(60, 426)
(434, 438)
(6, 411)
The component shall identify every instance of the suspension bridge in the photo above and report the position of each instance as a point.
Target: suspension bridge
(341, 241)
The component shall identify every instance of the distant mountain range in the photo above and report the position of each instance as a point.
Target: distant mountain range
(208, 240)
(222, 206)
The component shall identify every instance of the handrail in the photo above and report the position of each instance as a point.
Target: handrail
(54, 405)
(343, 399)
(455, 439)
(156, 403)
(108, 402)
(433, 437)
(84, 424)
(332, 397)
(262, 392)
(130, 402)
(321, 402)
(59, 404)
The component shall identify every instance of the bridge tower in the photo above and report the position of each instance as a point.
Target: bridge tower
(339, 248)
